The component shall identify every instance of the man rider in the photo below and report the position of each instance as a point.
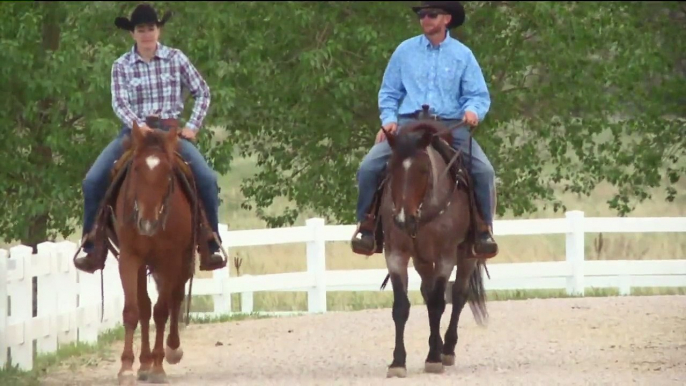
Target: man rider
(432, 69)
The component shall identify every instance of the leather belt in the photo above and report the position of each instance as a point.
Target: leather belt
(162, 124)
(416, 115)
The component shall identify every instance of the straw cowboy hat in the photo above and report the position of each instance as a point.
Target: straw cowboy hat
(453, 8)
(143, 14)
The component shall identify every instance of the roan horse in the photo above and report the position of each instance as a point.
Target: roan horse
(425, 214)
(154, 224)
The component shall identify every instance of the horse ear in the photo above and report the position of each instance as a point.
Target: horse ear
(390, 137)
(137, 134)
(173, 138)
(425, 140)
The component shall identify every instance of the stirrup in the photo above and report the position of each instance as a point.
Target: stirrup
(221, 248)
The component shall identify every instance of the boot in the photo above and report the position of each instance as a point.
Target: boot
(92, 261)
(364, 242)
(485, 246)
(210, 259)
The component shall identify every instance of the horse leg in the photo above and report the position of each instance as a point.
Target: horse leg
(397, 267)
(144, 306)
(433, 283)
(128, 273)
(173, 353)
(160, 315)
(461, 292)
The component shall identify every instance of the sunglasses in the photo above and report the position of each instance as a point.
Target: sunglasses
(432, 14)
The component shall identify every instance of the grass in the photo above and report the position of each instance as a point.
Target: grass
(291, 257)
(11, 375)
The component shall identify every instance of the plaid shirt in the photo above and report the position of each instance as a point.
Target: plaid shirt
(140, 89)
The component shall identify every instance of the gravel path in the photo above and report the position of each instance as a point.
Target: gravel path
(598, 341)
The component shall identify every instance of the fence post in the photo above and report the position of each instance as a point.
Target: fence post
(247, 304)
(21, 306)
(47, 297)
(222, 301)
(316, 266)
(575, 252)
(66, 297)
(3, 307)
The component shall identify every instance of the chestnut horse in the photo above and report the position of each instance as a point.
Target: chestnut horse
(153, 223)
(425, 214)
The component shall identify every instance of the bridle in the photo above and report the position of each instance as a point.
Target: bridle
(133, 217)
(424, 217)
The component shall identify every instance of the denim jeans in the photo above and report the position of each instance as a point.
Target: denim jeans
(374, 163)
(97, 181)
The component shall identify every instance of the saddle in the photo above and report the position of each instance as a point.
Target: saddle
(105, 237)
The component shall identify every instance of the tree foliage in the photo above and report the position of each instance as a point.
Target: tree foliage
(56, 62)
(582, 93)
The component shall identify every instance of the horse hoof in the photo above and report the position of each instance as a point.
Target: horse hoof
(173, 356)
(433, 367)
(143, 375)
(396, 372)
(126, 378)
(448, 359)
(157, 378)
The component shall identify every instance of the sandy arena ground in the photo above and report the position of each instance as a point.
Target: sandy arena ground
(589, 341)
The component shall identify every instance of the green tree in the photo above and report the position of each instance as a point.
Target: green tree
(592, 90)
(50, 74)
(582, 92)
(56, 63)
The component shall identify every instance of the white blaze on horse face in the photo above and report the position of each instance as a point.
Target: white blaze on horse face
(407, 163)
(401, 215)
(152, 161)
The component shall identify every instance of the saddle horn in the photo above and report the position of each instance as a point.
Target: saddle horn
(425, 112)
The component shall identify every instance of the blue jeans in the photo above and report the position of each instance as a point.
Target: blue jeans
(97, 181)
(374, 163)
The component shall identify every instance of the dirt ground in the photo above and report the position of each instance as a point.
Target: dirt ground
(588, 341)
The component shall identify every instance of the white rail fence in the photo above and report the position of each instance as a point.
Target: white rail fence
(69, 306)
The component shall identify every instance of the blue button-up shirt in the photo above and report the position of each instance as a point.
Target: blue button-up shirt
(446, 77)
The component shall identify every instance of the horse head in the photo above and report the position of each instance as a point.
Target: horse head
(151, 177)
(413, 171)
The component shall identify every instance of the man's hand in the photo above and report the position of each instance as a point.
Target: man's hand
(188, 134)
(470, 118)
(390, 127)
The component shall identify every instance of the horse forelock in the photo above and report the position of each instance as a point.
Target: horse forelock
(406, 145)
(153, 140)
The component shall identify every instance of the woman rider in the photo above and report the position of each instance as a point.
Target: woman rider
(147, 80)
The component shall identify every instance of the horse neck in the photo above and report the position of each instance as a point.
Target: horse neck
(439, 178)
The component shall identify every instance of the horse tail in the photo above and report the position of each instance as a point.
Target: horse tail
(385, 281)
(476, 294)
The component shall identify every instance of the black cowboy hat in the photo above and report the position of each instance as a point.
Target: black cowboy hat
(454, 9)
(143, 14)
